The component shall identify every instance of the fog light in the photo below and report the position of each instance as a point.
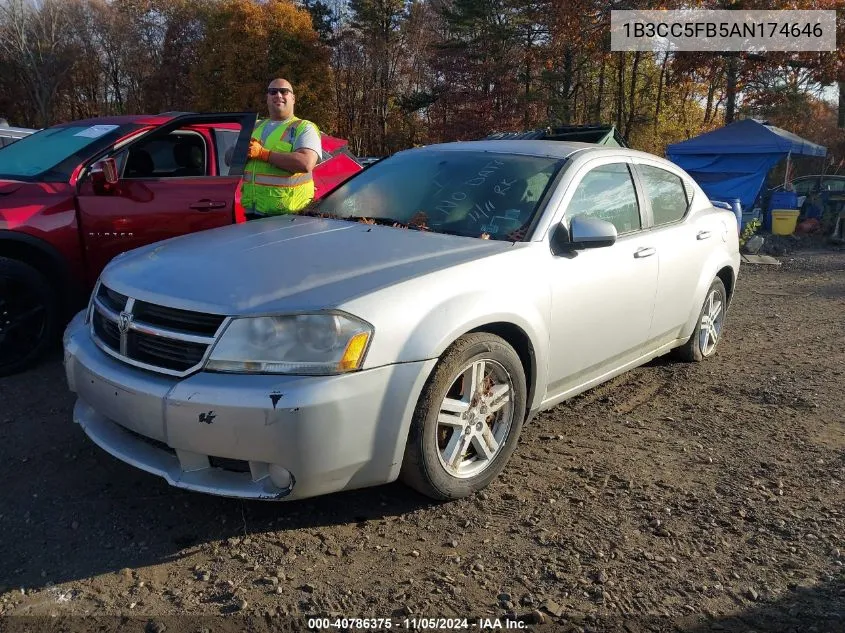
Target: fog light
(281, 477)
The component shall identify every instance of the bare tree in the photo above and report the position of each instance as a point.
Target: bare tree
(35, 36)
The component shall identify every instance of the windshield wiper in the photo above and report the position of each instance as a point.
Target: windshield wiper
(417, 222)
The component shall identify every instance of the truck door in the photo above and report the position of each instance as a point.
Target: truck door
(180, 177)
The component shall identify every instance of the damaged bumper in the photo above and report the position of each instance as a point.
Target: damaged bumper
(246, 436)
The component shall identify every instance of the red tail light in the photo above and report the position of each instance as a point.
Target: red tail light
(240, 212)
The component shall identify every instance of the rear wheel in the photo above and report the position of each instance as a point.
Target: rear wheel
(468, 420)
(708, 331)
(28, 315)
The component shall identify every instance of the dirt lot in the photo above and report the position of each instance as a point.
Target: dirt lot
(678, 497)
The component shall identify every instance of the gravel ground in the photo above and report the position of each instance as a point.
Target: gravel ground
(679, 497)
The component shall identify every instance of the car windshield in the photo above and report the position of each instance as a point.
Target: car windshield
(471, 193)
(54, 153)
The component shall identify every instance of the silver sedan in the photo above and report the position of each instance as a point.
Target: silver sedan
(405, 326)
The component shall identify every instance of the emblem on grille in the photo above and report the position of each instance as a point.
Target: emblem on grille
(123, 322)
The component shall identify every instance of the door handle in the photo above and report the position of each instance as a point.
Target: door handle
(208, 205)
(703, 235)
(646, 251)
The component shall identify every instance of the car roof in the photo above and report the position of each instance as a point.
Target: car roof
(17, 132)
(551, 149)
(142, 119)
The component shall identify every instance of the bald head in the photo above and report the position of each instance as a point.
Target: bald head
(280, 99)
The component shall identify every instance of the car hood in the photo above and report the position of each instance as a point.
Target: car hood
(285, 263)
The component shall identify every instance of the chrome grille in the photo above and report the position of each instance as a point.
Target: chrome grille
(106, 330)
(159, 338)
(167, 353)
(195, 322)
(112, 299)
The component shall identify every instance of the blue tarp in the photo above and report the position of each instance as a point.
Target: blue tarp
(732, 162)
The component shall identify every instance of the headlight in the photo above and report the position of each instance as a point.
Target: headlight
(315, 344)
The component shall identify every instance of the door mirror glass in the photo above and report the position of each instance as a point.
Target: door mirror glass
(104, 175)
(587, 232)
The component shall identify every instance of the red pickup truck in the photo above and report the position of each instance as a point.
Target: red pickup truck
(74, 195)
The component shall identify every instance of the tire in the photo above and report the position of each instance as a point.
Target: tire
(449, 455)
(704, 340)
(29, 316)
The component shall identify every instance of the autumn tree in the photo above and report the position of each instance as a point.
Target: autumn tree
(246, 44)
(389, 74)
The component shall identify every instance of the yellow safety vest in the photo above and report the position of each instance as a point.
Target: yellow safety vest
(268, 190)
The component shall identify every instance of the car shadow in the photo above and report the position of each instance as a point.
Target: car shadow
(819, 607)
(70, 511)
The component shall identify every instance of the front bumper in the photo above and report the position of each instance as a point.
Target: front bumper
(247, 436)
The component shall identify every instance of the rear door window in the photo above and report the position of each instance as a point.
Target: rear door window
(666, 193)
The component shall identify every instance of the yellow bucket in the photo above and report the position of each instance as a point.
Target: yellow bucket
(784, 221)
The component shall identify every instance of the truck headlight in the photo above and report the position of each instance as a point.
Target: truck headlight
(319, 343)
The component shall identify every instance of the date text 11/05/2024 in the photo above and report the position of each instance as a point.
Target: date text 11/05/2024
(415, 624)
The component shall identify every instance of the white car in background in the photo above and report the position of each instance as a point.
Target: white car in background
(9, 135)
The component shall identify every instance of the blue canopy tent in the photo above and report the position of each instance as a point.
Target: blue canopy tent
(732, 162)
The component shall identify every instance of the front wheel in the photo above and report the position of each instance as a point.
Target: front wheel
(28, 316)
(468, 419)
(708, 331)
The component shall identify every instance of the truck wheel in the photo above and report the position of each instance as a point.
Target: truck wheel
(28, 316)
(468, 419)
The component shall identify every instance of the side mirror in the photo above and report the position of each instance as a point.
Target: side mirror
(104, 175)
(585, 232)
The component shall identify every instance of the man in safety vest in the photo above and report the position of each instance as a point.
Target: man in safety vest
(282, 154)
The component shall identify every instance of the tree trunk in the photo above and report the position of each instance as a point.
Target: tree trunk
(660, 89)
(566, 106)
(841, 120)
(711, 92)
(526, 114)
(600, 91)
(632, 106)
(620, 89)
(732, 73)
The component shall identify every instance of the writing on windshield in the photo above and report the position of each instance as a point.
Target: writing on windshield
(471, 193)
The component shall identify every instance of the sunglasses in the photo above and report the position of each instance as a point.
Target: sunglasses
(282, 91)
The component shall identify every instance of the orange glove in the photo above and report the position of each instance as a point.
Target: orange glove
(257, 151)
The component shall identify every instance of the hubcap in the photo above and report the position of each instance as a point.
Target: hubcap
(22, 321)
(711, 323)
(475, 418)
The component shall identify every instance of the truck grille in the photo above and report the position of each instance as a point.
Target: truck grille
(159, 338)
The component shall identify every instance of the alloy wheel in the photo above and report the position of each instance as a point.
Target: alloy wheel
(711, 323)
(475, 418)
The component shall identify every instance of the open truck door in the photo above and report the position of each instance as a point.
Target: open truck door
(180, 177)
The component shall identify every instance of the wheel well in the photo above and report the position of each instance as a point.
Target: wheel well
(44, 262)
(519, 340)
(727, 277)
